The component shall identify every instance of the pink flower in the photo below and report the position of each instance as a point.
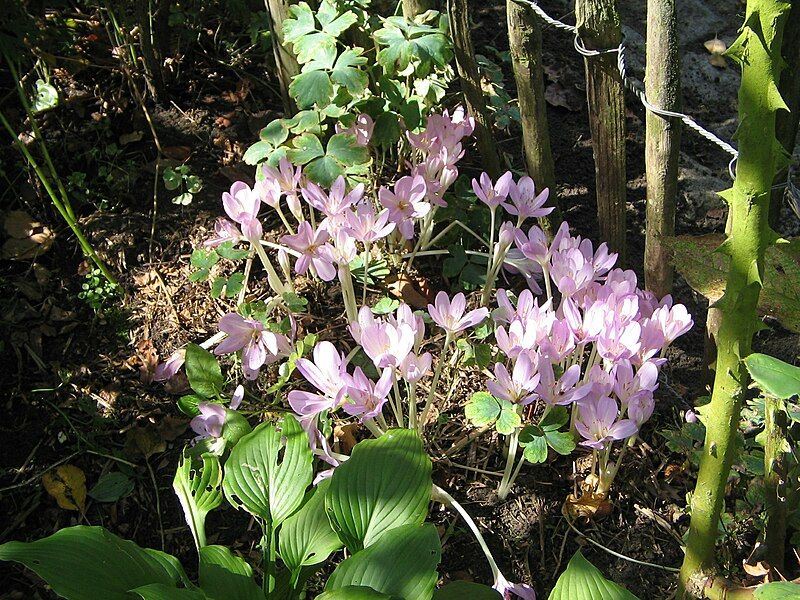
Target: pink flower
(286, 175)
(362, 128)
(559, 343)
(563, 390)
(328, 373)
(674, 322)
(450, 315)
(534, 245)
(224, 231)
(617, 341)
(268, 191)
(310, 245)
(334, 203)
(242, 205)
(386, 344)
(211, 420)
(506, 588)
(597, 423)
(258, 345)
(493, 195)
(413, 368)
(167, 369)
(525, 202)
(405, 203)
(365, 397)
(366, 226)
(518, 386)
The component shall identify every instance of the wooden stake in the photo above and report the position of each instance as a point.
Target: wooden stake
(662, 142)
(525, 42)
(471, 85)
(599, 27)
(285, 62)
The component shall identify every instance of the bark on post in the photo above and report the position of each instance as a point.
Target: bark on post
(525, 43)
(786, 123)
(775, 469)
(471, 84)
(599, 28)
(285, 61)
(412, 8)
(662, 142)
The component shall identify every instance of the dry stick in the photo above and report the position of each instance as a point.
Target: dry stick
(786, 122)
(662, 142)
(458, 12)
(525, 43)
(286, 63)
(599, 28)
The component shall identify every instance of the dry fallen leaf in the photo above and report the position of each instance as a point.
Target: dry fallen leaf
(143, 441)
(179, 153)
(129, 138)
(345, 435)
(67, 484)
(589, 504)
(147, 358)
(28, 238)
(717, 48)
(409, 291)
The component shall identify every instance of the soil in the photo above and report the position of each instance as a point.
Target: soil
(75, 393)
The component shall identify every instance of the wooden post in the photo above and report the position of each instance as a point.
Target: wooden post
(471, 85)
(786, 122)
(412, 8)
(662, 142)
(525, 42)
(285, 62)
(599, 28)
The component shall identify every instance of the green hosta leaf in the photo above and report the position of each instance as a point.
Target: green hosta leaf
(311, 88)
(346, 71)
(344, 148)
(353, 592)
(258, 152)
(111, 487)
(188, 404)
(307, 537)
(466, 590)
(274, 133)
(385, 484)
(778, 590)
(86, 563)
(583, 581)
(774, 377)
(199, 492)
(224, 575)
(306, 148)
(203, 371)
(324, 170)
(159, 591)
(377, 269)
(269, 470)
(402, 563)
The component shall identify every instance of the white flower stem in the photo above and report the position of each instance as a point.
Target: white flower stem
(366, 273)
(272, 275)
(348, 293)
(412, 406)
(489, 263)
(436, 375)
(397, 400)
(548, 286)
(505, 483)
(373, 428)
(283, 218)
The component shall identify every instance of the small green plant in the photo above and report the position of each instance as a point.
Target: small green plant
(97, 291)
(180, 179)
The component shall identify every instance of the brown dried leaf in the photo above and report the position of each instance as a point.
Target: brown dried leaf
(148, 360)
(716, 48)
(408, 290)
(345, 435)
(143, 441)
(179, 153)
(19, 224)
(129, 138)
(67, 484)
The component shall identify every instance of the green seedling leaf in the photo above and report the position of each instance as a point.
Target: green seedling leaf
(402, 563)
(269, 470)
(203, 371)
(111, 487)
(194, 184)
(385, 484)
(172, 179)
(583, 581)
(227, 251)
(307, 537)
(224, 575)
(198, 486)
(86, 563)
(773, 376)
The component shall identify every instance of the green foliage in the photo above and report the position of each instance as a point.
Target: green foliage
(203, 371)
(461, 590)
(537, 438)
(773, 376)
(307, 537)
(180, 179)
(583, 581)
(223, 575)
(778, 590)
(484, 409)
(111, 487)
(97, 291)
(199, 490)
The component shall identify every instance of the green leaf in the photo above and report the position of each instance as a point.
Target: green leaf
(306, 148)
(482, 409)
(353, 592)
(226, 250)
(535, 446)
(402, 563)
(561, 442)
(224, 575)
(269, 470)
(386, 305)
(184, 199)
(86, 563)
(317, 47)
(172, 179)
(466, 590)
(346, 72)
(307, 537)
(344, 148)
(234, 285)
(311, 88)
(300, 23)
(199, 492)
(385, 484)
(257, 152)
(340, 24)
(188, 404)
(324, 170)
(387, 130)
(159, 591)
(778, 590)
(583, 581)
(193, 184)
(775, 377)
(452, 265)
(203, 371)
(217, 287)
(274, 133)
(203, 259)
(294, 302)
(46, 97)
(111, 487)
(555, 419)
